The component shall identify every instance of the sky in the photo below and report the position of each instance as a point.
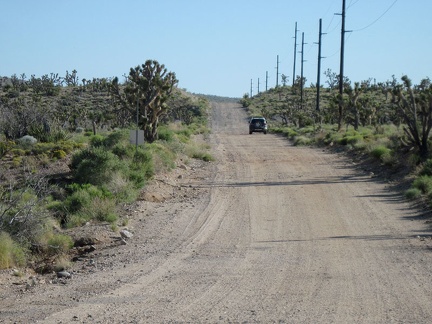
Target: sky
(217, 47)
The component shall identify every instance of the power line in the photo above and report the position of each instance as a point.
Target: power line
(352, 4)
(394, 2)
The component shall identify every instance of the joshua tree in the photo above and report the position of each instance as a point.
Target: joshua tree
(415, 107)
(145, 93)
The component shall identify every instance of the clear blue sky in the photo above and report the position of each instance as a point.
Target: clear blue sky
(215, 46)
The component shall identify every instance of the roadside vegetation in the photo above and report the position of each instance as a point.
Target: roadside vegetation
(66, 158)
(387, 123)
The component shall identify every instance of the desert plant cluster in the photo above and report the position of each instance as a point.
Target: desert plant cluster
(389, 122)
(66, 157)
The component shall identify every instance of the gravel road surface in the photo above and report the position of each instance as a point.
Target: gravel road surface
(268, 233)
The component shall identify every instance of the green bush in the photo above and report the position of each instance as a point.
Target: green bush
(11, 254)
(427, 168)
(59, 244)
(380, 152)
(353, 139)
(97, 140)
(59, 154)
(165, 134)
(5, 147)
(413, 193)
(163, 158)
(81, 196)
(88, 202)
(141, 167)
(94, 165)
(302, 141)
(115, 138)
(423, 183)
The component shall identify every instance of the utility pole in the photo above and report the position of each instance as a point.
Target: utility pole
(277, 71)
(301, 74)
(318, 84)
(266, 80)
(341, 73)
(295, 53)
(251, 89)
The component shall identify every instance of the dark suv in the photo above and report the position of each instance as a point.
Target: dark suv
(257, 124)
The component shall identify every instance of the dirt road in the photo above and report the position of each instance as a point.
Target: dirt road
(270, 233)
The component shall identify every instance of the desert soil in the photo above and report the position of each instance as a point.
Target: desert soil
(268, 233)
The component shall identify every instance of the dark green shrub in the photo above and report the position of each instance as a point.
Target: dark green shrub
(59, 244)
(427, 168)
(97, 140)
(5, 147)
(11, 254)
(165, 134)
(116, 138)
(380, 151)
(302, 141)
(413, 193)
(59, 154)
(94, 166)
(423, 183)
(141, 167)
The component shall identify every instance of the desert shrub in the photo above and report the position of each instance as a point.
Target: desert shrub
(285, 131)
(11, 253)
(423, 183)
(18, 152)
(353, 139)
(207, 157)
(123, 151)
(42, 148)
(380, 152)
(197, 151)
(141, 167)
(307, 129)
(59, 244)
(94, 165)
(427, 168)
(102, 209)
(302, 141)
(23, 214)
(16, 161)
(116, 138)
(61, 263)
(81, 196)
(125, 190)
(51, 135)
(97, 140)
(5, 147)
(163, 158)
(59, 154)
(413, 193)
(333, 137)
(27, 141)
(97, 209)
(165, 134)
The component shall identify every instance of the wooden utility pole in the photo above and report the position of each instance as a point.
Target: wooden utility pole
(295, 54)
(266, 80)
(341, 73)
(301, 74)
(277, 71)
(318, 84)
